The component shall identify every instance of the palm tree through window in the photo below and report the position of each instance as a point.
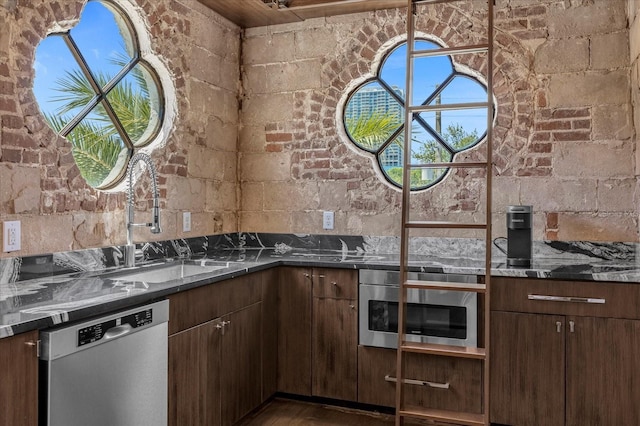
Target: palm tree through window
(95, 89)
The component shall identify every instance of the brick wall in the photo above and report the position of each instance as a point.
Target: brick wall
(39, 182)
(564, 135)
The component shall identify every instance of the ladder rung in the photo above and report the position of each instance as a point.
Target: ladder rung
(460, 165)
(448, 107)
(444, 416)
(446, 285)
(444, 350)
(460, 50)
(444, 225)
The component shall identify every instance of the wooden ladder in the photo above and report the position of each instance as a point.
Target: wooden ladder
(481, 352)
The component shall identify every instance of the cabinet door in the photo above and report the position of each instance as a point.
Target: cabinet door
(294, 331)
(19, 383)
(194, 382)
(241, 368)
(527, 369)
(335, 344)
(603, 380)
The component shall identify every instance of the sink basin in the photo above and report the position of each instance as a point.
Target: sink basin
(170, 271)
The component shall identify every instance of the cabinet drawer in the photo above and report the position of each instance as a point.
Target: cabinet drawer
(192, 307)
(335, 283)
(456, 383)
(581, 298)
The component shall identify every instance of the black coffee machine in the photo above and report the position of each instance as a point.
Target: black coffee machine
(519, 235)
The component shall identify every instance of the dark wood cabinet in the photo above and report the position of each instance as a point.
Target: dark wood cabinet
(294, 331)
(216, 365)
(602, 380)
(241, 367)
(317, 332)
(572, 364)
(19, 384)
(453, 383)
(335, 334)
(194, 379)
(527, 369)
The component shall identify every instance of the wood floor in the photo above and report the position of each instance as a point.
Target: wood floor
(285, 412)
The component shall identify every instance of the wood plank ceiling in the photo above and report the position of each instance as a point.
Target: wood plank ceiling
(259, 13)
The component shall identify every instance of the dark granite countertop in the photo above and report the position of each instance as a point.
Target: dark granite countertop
(39, 292)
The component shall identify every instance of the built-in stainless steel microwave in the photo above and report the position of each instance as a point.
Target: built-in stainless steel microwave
(432, 316)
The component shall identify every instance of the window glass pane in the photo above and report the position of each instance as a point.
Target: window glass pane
(100, 154)
(135, 100)
(429, 73)
(423, 151)
(60, 87)
(104, 41)
(393, 70)
(372, 115)
(426, 149)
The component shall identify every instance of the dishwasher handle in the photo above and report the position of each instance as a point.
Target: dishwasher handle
(117, 331)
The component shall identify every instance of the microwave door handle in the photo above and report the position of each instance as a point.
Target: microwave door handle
(435, 385)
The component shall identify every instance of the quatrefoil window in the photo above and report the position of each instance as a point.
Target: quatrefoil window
(374, 114)
(96, 88)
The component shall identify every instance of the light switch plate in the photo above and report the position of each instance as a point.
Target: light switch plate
(186, 221)
(327, 220)
(11, 236)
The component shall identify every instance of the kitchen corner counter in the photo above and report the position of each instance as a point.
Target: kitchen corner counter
(43, 291)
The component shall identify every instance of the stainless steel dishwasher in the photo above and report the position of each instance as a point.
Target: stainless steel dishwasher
(111, 371)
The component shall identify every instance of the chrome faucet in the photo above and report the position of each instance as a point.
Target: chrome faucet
(130, 248)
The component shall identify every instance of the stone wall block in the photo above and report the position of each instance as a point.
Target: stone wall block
(298, 196)
(262, 109)
(610, 51)
(580, 21)
(221, 196)
(590, 159)
(268, 48)
(617, 195)
(185, 194)
(265, 167)
(19, 189)
(589, 88)
(314, 43)
(612, 122)
(252, 196)
(267, 221)
(559, 195)
(558, 56)
(291, 76)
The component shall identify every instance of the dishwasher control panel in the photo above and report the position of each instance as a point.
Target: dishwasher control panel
(95, 332)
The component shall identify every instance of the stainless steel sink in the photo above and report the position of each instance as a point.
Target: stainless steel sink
(170, 271)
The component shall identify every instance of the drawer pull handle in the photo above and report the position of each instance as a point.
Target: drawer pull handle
(436, 385)
(571, 299)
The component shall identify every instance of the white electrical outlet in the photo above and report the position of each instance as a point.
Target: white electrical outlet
(186, 221)
(327, 220)
(11, 236)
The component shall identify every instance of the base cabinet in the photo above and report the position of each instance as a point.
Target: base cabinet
(19, 383)
(215, 365)
(574, 363)
(317, 332)
(335, 334)
(194, 376)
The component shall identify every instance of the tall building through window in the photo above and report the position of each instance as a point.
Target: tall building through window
(376, 100)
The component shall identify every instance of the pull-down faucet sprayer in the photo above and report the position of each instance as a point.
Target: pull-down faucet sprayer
(130, 252)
